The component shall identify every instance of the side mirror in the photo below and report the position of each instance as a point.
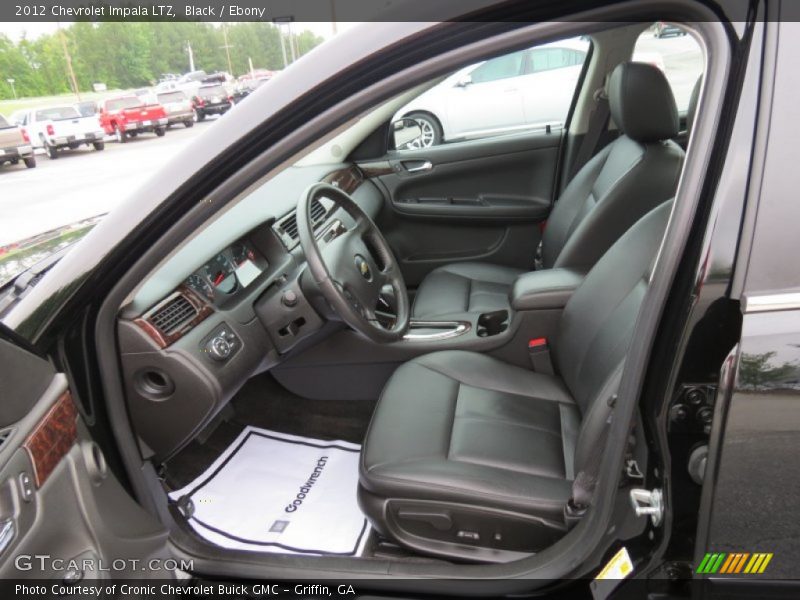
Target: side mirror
(464, 81)
(406, 134)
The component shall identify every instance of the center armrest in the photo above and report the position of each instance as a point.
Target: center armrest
(549, 288)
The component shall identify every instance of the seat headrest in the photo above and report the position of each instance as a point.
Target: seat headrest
(691, 111)
(641, 102)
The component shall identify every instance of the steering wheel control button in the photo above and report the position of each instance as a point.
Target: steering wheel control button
(221, 344)
(289, 299)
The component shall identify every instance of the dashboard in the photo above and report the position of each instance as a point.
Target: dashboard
(234, 300)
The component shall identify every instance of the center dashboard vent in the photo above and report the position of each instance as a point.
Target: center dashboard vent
(174, 313)
(287, 227)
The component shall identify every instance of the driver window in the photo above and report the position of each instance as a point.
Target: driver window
(534, 90)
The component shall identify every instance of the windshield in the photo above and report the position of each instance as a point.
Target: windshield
(110, 71)
(171, 97)
(122, 103)
(57, 113)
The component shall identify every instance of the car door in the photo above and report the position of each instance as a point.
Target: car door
(484, 199)
(64, 516)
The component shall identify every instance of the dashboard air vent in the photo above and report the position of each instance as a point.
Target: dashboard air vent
(173, 314)
(287, 228)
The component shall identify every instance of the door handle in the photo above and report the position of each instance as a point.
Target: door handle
(423, 166)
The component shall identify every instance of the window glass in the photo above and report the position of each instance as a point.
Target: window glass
(676, 53)
(57, 113)
(502, 67)
(544, 59)
(520, 91)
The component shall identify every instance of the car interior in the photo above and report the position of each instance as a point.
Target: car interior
(411, 354)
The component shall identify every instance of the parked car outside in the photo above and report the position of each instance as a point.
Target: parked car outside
(178, 106)
(58, 127)
(87, 108)
(212, 99)
(15, 144)
(126, 116)
(524, 90)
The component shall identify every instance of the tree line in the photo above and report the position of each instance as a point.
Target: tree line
(136, 54)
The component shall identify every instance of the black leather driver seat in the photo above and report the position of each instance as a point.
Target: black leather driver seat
(467, 456)
(621, 183)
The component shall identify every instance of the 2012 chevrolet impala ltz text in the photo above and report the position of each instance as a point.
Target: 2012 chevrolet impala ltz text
(501, 304)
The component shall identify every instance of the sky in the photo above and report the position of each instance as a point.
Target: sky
(33, 30)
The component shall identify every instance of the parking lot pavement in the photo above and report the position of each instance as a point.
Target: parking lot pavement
(81, 183)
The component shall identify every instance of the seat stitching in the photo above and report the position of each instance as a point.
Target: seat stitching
(512, 423)
(444, 374)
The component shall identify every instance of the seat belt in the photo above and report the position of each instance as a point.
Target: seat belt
(598, 122)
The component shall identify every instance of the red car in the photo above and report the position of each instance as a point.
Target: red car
(127, 116)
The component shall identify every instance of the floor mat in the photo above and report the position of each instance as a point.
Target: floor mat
(274, 492)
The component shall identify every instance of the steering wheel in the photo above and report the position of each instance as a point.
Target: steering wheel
(353, 267)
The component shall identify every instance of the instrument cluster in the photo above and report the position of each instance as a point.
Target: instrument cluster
(228, 272)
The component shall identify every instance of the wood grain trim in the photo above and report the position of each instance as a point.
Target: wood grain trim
(348, 180)
(52, 438)
(163, 340)
(376, 169)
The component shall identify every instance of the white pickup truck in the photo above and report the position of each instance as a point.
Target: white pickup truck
(15, 145)
(57, 127)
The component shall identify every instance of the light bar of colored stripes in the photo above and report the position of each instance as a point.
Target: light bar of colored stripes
(734, 563)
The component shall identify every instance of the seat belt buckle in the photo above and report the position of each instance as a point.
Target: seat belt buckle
(539, 353)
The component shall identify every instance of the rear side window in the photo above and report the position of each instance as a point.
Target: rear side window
(212, 90)
(3, 123)
(677, 54)
(58, 113)
(121, 103)
(171, 97)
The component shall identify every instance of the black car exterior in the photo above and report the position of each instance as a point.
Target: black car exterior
(723, 377)
(212, 100)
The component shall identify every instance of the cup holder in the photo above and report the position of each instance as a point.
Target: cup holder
(492, 323)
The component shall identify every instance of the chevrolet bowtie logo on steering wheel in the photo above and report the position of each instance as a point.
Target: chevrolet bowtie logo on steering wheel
(363, 267)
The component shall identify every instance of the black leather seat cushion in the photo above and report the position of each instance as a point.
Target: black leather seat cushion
(465, 427)
(471, 434)
(465, 287)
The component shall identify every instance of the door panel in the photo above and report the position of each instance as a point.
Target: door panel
(57, 498)
(478, 200)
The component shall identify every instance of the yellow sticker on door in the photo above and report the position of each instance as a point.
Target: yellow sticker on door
(619, 567)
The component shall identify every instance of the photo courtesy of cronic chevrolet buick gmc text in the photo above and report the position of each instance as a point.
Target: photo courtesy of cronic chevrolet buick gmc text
(553, 360)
